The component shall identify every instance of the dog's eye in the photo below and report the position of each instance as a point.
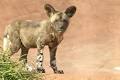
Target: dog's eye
(64, 20)
(56, 20)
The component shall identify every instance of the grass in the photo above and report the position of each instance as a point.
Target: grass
(11, 70)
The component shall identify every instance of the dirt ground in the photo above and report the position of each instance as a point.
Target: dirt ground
(91, 46)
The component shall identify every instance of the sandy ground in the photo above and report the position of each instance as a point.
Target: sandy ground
(90, 49)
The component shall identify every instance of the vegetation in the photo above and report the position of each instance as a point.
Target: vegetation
(11, 70)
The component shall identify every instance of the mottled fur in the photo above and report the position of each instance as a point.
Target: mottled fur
(26, 34)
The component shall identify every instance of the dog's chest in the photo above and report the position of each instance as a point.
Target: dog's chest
(56, 38)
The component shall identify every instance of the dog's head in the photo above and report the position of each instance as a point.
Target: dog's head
(59, 19)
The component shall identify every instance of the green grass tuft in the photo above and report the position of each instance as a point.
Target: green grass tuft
(10, 70)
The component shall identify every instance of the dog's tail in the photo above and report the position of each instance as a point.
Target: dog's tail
(6, 40)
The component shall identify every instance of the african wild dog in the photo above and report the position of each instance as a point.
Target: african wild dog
(26, 34)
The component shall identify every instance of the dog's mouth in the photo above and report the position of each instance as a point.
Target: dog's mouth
(60, 30)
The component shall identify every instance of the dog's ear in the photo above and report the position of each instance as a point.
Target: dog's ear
(70, 11)
(49, 9)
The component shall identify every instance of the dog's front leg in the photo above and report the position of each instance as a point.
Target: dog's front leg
(53, 60)
(40, 56)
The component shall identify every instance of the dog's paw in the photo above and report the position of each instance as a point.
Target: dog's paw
(41, 70)
(59, 72)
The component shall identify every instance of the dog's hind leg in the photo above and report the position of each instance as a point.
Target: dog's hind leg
(24, 53)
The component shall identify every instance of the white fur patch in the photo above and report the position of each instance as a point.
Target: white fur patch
(39, 64)
(6, 43)
(54, 17)
(30, 68)
(40, 58)
(41, 51)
